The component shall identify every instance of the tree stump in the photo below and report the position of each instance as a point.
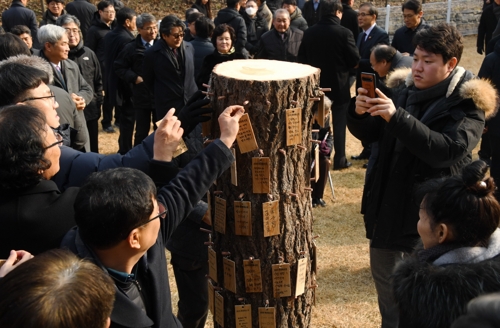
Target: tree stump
(268, 88)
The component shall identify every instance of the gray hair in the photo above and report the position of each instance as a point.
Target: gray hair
(67, 19)
(143, 19)
(50, 33)
(33, 61)
(281, 11)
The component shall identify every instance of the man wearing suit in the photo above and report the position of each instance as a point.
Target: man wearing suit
(312, 12)
(119, 91)
(67, 75)
(18, 14)
(371, 36)
(331, 47)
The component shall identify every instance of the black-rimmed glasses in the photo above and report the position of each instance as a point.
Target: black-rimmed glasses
(59, 141)
(52, 96)
(161, 215)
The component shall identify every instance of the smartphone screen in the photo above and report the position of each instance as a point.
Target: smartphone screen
(368, 82)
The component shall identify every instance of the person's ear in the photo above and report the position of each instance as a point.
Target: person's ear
(444, 233)
(452, 63)
(108, 323)
(134, 239)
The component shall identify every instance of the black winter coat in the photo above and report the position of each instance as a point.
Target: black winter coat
(84, 11)
(487, 24)
(429, 136)
(178, 197)
(18, 14)
(310, 15)
(201, 8)
(434, 294)
(209, 64)
(330, 47)
(403, 38)
(91, 71)
(490, 69)
(48, 17)
(202, 48)
(114, 42)
(272, 46)
(256, 27)
(95, 39)
(128, 66)
(172, 84)
(233, 18)
(297, 21)
(350, 20)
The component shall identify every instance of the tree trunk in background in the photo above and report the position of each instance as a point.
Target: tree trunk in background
(270, 87)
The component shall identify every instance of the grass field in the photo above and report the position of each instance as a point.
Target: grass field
(346, 295)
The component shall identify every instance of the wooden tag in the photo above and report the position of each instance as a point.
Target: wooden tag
(219, 309)
(211, 296)
(246, 137)
(212, 264)
(253, 277)
(271, 217)
(281, 280)
(293, 126)
(220, 215)
(242, 218)
(261, 175)
(300, 283)
(181, 149)
(267, 317)
(314, 259)
(243, 316)
(316, 162)
(234, 172)
(229, 274)
(320, 118)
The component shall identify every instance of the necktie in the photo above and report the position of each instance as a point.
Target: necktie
(147, 45)
(60, 77)
(363, 37)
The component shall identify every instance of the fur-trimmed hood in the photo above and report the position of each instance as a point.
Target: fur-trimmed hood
(481, 91)
(430, 295)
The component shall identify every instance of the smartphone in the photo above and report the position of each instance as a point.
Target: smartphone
(369, 82)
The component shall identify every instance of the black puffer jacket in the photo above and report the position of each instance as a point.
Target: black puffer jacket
(272, 46)
(256, 27)
(298, 21)
(434, 294)
(91, 70)
(432, 134)
(95, 38)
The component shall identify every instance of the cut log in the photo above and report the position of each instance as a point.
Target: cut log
(269, 88)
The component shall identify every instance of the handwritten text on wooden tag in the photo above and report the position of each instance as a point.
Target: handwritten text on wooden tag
(246, 137)
(253, 277)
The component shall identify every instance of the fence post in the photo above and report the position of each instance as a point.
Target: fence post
(387, 17)
(448, 13)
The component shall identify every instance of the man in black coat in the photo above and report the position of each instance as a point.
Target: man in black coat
(487, 25)
(349, 20)
(102, 23)
(202, 44)
(282, 42)
(91, 71)
(119, 92)
(312, 12)
(129, 243)
(296, 19)
(331, 47)
(403, 37)
(84, 11)
(18, 14)
(128, 67)
(231, 16)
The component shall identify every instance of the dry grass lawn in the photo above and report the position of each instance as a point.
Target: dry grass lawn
(346, 295)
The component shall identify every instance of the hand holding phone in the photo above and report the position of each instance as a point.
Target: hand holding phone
(369, 82)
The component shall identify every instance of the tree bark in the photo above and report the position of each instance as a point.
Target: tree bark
(270, 87)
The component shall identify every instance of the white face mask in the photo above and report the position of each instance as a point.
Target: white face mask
(251, 11)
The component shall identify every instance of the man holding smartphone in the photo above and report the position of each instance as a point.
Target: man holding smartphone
(428, 132)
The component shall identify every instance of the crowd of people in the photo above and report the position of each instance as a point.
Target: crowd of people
(431, 214)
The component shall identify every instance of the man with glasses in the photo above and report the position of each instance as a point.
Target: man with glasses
(370, 37)
(84, 10)
(123, 224)
(91, 71)
(103, 22)
(54, 11)
(128, 67)
(118, 91)
(412, 15)
(67, 75)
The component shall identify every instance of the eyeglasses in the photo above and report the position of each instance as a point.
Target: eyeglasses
(109, 12)
(409, 16)
(72, 31)
(59, 141)
(364, 14)
(177, 35)
(52, 97)
(161, 215)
